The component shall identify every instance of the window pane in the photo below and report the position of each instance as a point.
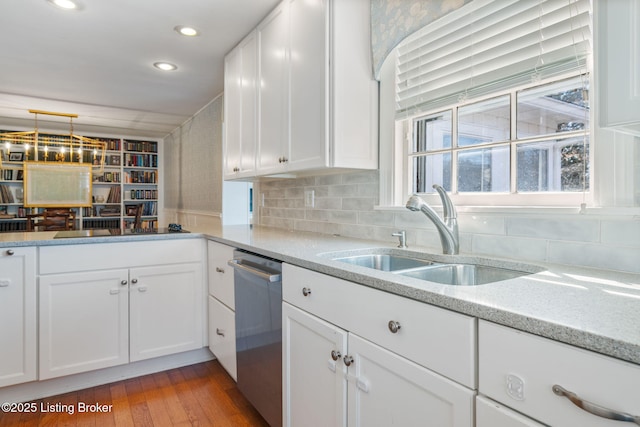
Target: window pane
(557, 107)
(432, 132)
(484, 170)
(560, 165)
(429, 170)
(482, 122)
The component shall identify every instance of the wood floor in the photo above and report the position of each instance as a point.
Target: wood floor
(197, 395)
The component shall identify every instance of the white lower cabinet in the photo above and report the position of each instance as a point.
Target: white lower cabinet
(555, 383)
(222, 335)
(84, 322)
(93, 318)
(335, 376)
(493, 414)
(17, 315)
(222, 316)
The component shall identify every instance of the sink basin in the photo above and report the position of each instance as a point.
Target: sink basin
(464, 274)
(385, 262)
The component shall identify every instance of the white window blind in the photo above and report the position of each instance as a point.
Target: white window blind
(490, 45)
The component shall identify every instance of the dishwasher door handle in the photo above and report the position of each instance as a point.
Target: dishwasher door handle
(237, 264)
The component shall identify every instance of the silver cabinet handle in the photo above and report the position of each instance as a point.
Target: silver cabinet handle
(593, 408)
(219, 270)
(124, 282)
(348, 360)
(306, 292)
(394, 326)
(134, 281)
(10, 252)
(335, 355)
(220, 332)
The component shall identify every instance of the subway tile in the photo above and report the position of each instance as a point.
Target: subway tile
(328, 203)
(407, 219)
(566, 228)
(349, 190)
(481, 224)
(318, 190)
(368, 190)
(294, 192)
(358, 204)
(621, 232)
(328, 180)
(369, 177)
(384, 218)
(595, 256)
(519, 248)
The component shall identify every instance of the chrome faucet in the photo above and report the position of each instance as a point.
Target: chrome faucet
(448, 229)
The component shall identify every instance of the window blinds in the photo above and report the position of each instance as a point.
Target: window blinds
(490, 45)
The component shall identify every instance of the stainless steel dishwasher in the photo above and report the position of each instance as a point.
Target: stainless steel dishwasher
(258, 294)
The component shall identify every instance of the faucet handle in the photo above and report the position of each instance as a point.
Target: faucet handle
(402, 237)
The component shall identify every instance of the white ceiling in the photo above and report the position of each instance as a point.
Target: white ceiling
(97, 62)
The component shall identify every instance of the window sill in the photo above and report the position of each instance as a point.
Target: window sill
(529, 210)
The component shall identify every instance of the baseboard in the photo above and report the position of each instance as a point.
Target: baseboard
(39, 389)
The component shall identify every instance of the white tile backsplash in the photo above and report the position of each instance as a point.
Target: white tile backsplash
(345, 205)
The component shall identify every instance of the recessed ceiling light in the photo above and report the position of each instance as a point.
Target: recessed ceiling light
(187, 31)
(165, 66)
(64, 4)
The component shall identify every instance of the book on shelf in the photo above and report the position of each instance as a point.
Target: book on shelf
(6, 196)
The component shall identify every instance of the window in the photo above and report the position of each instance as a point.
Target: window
(468, 148)
(492, 100)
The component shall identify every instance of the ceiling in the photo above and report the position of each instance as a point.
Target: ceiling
(97, 61)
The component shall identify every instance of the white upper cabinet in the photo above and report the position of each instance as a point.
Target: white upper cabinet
(316, 97)
(618, 64)
(240, 110)
(273, 75)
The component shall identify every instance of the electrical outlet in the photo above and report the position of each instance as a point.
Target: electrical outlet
(309, 198)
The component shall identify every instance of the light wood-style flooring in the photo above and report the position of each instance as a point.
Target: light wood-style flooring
(197, 395)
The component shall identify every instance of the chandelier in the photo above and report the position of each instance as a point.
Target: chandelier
(34, 146)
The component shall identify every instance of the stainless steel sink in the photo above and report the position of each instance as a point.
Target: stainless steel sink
(385, 262)
(464, 274)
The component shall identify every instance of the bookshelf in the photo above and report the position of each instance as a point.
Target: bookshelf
(130, 177)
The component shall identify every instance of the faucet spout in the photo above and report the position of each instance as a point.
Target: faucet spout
(447, 228)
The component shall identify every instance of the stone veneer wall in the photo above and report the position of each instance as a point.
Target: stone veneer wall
(344, 205)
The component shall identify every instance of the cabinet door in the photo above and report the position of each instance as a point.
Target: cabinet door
(314, 384)
(249, 108)
(166, 310)
(222, 335)
(386, 389)
(308, 84)
(17, 315)
(83, 322)
(220, 274)
(492, 414)
(273, 95)
(232, 112)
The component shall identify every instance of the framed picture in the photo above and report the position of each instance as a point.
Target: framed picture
(53, 184)
(20, 176)
(132, 210)
(16, 156)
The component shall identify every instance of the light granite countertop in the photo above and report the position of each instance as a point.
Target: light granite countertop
(593, 309)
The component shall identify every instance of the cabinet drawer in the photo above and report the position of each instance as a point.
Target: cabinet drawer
(222, 335)
(102, 256)
(438, 339)
(220, 274)
(520, 369)
(492, 414)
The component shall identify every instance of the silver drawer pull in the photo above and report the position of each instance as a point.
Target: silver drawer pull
(593, 408)
(10, 252)
(219, 270)
(394, 326)
(306, 292)
(220, 332)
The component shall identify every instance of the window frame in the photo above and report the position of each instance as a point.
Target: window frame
(403, 141)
